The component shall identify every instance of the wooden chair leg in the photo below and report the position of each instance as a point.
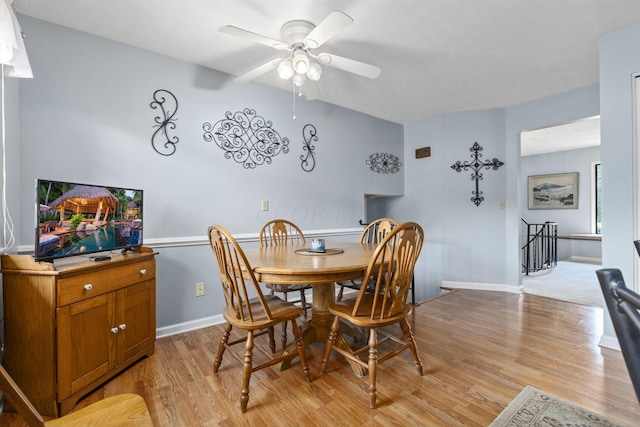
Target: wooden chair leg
(246, 372)
(303, 301)
(301, 353)
(330, 342)
(272, 340)
(408, 336)
(339, 297)
(283, 336)
(373, 367)
(221, 347)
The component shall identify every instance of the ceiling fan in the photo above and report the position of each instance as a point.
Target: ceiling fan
(300, 38)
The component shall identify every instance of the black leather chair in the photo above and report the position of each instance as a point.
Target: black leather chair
(624, 306)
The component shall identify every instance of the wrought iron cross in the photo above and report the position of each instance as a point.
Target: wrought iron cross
(476, 166)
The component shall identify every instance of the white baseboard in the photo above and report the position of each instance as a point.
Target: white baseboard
(589, 260)
(501, 287)
(179, 328)
(205, 322)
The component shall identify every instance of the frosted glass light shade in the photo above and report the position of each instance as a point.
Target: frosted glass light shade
(299, 79)
(300, 62)
(285, 69)
(314, 71)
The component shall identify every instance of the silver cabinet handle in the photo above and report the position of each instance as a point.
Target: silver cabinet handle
(88, 287)
(123, 326)
(143, 271)
(114, 330)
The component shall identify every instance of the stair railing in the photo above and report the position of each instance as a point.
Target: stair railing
(541, 250)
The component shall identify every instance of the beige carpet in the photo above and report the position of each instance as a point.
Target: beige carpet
(568, 281)
(535, 408)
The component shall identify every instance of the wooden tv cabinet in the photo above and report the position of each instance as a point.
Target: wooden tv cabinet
(71, 326)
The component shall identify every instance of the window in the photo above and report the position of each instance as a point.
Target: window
(597, 188)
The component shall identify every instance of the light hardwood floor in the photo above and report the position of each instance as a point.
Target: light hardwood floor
(478, 348)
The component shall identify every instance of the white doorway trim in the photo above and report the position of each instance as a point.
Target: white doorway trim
(636, 178)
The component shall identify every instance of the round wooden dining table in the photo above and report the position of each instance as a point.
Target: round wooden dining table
(294, 265)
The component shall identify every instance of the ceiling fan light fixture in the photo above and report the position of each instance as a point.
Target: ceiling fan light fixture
(300, 38)
(299, 79)
(315, 71)
(300, 62)
(285, 69)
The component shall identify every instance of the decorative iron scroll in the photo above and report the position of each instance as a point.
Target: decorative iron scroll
(476, 166)
(309, 134)
(384, 163)
(246, 138)
(168, 105)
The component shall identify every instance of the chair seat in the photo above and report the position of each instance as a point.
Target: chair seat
(287, 288)
(120, 410)
(280, 311)
(344, 309)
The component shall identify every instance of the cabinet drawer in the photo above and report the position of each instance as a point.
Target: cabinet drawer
(77, 288)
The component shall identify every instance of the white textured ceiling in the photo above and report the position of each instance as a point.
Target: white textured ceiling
(569, 136)
(436, 55)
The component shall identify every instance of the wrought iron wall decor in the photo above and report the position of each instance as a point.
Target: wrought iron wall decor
(384, 163)
(476, 166)
(161, 142)
(246, 138)
(309, 160)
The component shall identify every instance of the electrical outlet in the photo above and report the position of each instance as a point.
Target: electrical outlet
(199, 289)
(265, 205)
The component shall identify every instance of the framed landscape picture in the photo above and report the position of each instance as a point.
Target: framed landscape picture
(556, 191)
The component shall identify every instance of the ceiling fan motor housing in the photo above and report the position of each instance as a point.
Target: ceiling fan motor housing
(294, 32)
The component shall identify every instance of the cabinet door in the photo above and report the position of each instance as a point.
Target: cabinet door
(85, 342)
(136, 319)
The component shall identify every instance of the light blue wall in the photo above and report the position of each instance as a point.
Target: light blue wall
(569, 221)
(461, 240)
(465, 243)
(619, 61)
(581, 161)
(549, 111)
(86, 117)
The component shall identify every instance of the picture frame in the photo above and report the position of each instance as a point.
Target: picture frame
(554, 191)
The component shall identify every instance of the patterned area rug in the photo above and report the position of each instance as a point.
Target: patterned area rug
(533, 407)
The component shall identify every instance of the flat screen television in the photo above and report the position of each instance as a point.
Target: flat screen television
(79, 219)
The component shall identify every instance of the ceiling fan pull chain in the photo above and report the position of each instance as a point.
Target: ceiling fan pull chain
(294, 100)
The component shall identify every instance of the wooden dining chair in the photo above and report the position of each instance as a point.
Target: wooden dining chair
(250, 314)
(121, 410)
(373, 233)
(281, 232)
(391, 266)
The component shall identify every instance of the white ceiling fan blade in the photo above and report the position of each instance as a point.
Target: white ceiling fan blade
(248, 35)
(350, 65)
(258, 71)
(332, 25)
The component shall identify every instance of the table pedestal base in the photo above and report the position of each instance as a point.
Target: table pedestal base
(317, 330)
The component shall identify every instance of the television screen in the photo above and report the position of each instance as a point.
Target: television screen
(78, 219)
